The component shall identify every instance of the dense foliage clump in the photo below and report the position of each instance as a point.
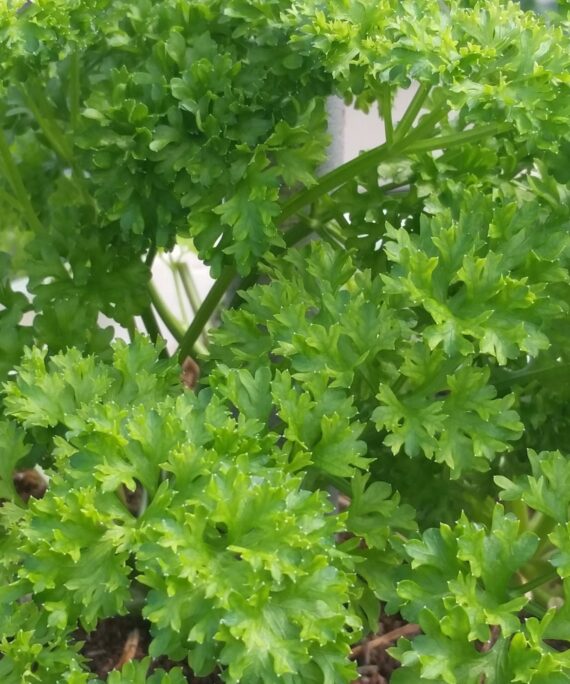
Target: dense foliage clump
(399, 339)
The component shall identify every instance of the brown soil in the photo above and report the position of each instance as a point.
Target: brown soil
(117, 640)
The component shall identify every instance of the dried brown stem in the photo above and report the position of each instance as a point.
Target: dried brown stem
(384, 640)
(129, 649)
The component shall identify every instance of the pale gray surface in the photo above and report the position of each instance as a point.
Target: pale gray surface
(364, 131)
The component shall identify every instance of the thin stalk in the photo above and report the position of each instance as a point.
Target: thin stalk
(541, 525)
(151, 254)
(342, 222)
(443, 141)
(173, 325)
(13, 177)
(328, 235)
(535, 522)
(333, 213)
(549, 576)
(178, 287)
(386, 114)
(150, 324)
(535, 609)
(426, 124)
(189, 286)
(193, 299)
(367, 160)
(338, 176)
(58, 141)
(328, 182)
(143, 504)
(9, 199)
(402, 186)
(131, 329)
(407, 121)
(507, 378)
(339, 483)
(204, 313)
(49, 128)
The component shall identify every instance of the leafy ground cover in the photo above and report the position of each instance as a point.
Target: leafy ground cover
(377, 440)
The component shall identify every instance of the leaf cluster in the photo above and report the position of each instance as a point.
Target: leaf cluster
(410, 364)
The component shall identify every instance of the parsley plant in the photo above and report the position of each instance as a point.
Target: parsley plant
(400, 336)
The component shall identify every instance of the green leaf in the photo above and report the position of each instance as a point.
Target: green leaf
(375, 512)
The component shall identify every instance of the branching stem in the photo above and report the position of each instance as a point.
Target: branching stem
(334, 179)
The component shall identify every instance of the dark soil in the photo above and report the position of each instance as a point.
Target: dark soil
(117, 640)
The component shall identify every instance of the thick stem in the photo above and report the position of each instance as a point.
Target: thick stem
(204, 313)
(151, 254)
(337, 177)
(193, 298)
(150, 324)
(386, 113)
(330, 181)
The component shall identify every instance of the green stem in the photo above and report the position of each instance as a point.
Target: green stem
(12, 174)
(445, 141)
(194, 300)
(150, 324)
(386, 113)
(355, 167)
(348, 171)
(542, 525)
(131, 329)
(520, 509)
(407, 121)
(549, 576)
(182, 300)
(535, 522)
(535, 609)
(47, 122)
(188, 285)
(174, 326)
(337, 177)
(151, 254)
(342, 222)
(204, 313)
(553, 371)
(12, 201)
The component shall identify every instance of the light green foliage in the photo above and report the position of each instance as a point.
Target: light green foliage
(135, 672)
(240, 562)
(413, 358)
(363, 333)
(457, 588)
